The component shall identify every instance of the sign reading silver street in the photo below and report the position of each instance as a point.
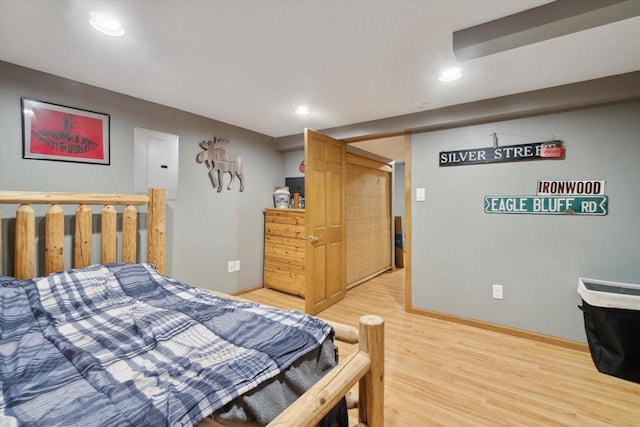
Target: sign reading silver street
(507, 153)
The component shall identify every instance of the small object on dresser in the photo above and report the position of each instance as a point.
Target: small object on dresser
(281, 197)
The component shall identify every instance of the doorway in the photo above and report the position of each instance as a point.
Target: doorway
(394, 149)
(370, 147)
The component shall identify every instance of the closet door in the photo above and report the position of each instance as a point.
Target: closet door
(325, 248)
(368, 191)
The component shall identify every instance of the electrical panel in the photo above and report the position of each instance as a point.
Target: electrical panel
(155, 162)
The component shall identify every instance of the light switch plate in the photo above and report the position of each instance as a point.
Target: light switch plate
(420, 194)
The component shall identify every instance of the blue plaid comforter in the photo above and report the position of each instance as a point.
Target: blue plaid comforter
(121, 345)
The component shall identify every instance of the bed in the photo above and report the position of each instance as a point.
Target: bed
(182, 355)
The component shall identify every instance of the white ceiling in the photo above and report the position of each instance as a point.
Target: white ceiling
(249, 63)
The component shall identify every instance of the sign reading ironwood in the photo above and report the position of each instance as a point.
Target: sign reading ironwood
(570, 187)
(507, 153)
(549, 205)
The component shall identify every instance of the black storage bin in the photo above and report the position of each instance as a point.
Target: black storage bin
(612, 323)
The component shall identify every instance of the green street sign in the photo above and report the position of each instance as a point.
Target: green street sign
(547, 205)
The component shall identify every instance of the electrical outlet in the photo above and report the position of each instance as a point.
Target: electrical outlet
(236, 266)
(231, 267)
(497, 292)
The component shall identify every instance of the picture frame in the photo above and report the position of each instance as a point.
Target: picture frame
(60, 133)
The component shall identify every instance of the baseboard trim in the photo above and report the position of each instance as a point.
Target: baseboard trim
(369, 277)
(246, 290)
(535, 336)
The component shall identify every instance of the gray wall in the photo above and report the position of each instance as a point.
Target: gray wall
(458, 251)
(205, 229)
(292, 160)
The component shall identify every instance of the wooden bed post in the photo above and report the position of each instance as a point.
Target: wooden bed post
(371, 389)
(366, 366)
(156, 228)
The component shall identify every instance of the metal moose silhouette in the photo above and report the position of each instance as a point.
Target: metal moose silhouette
(219, 162)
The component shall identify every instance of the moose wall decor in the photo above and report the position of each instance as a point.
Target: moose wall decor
(219, 162)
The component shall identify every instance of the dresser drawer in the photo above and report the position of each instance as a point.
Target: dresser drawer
(285, 250)
(284, 230)
(285, 216)
(284, 222)
(283, 277)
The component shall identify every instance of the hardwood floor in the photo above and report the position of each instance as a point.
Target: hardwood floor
(440, 373)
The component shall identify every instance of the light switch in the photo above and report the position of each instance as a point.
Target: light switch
(420, 195)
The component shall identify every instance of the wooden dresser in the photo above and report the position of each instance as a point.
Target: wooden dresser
(284, 250)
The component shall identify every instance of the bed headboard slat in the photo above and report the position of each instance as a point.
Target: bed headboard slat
(25, 231)
(25, 241)
(129, 232)
(54, 239)
(82, 238)
(108, 227)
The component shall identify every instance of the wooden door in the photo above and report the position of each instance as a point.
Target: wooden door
(325, 216)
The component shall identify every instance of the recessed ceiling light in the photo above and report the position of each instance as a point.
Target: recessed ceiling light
(450, 75)
(302, 110)
(106, 24)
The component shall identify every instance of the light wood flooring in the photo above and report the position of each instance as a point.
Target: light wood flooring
(440, 373)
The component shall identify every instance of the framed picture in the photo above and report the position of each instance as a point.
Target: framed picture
(56, 132)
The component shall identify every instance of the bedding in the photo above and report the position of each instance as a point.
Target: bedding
(120, 344)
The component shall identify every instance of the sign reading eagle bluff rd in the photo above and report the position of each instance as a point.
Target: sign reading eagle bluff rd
(547, 205)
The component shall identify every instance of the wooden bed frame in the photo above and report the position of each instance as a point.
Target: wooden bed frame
(365, 366)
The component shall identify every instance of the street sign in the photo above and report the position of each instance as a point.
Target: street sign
(572, 187)
(548, 150)
(547, 205)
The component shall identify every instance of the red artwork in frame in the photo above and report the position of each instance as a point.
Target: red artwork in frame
(56, 132)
